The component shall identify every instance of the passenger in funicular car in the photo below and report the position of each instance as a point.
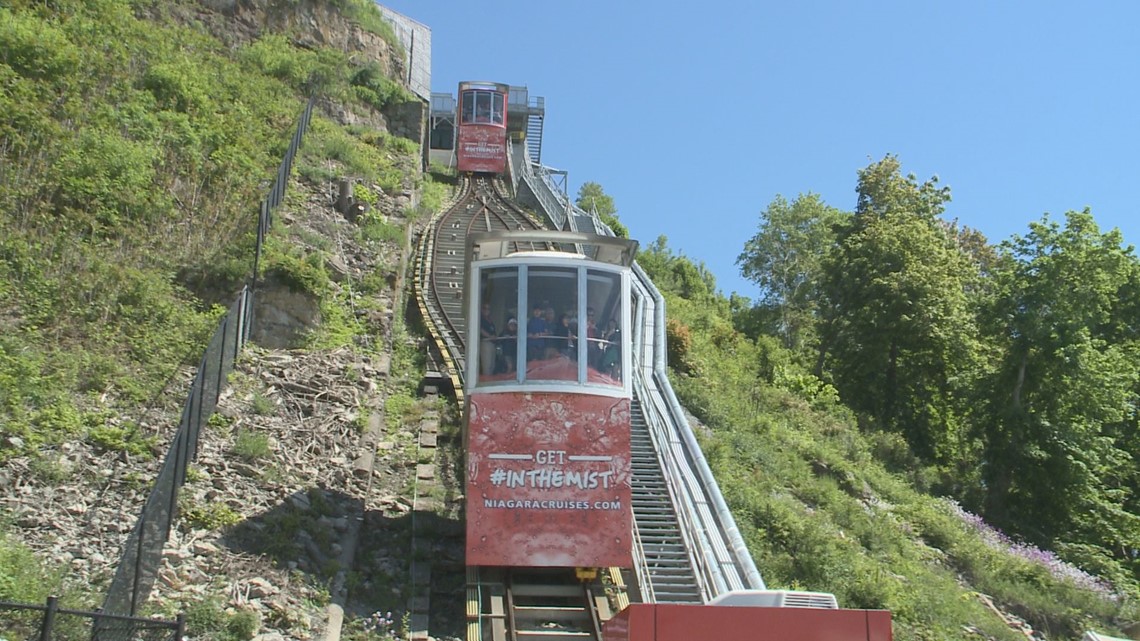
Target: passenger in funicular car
(508, 347)
(552, 348)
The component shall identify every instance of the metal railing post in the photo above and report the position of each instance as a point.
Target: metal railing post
(221, 362)
(141, 526)
(49, 618)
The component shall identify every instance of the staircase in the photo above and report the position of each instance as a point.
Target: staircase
(667, 562)
(534, 137)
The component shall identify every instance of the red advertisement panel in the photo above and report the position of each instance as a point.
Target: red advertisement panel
(482, 148)
(548, 480)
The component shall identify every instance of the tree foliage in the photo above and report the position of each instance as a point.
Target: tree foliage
(897, 331)
(592, 198)
(678, 274)
(785, 259)
(1060, 409)
(1010, 372)
(810, 491)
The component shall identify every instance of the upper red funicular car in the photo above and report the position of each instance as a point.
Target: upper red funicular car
(548, 400)
(481, 140)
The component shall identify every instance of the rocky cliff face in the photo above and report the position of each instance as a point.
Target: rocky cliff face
(310, 23)
(76, 507)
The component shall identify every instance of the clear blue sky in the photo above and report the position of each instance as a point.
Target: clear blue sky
(693, 116)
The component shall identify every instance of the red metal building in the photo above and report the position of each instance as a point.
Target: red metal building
(682, 622)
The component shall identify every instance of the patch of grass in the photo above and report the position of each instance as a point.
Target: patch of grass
(360, 423)
(433, 194)
(313, 239)
(208, 619)
(368, 16)
(397, 409)
(317, 173)
(251, 446)
(114, 438)
(212, 516)
(262, 405)
(50, 470)
(339, 325)
(370, 155)
(22, 576)
(375, 229)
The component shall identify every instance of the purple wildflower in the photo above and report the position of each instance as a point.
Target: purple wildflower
(1060, 569)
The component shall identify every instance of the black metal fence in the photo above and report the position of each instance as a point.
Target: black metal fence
(142, 553)
(50, 622)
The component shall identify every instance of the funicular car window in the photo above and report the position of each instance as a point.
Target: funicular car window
(497, 109)
(603, 328)
(483, 106)
(468, 107)
(551, 326)
(497, 330)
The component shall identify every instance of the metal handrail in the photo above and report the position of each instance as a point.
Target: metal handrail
(741, 559)
(674, 471)
(548, 197)
(641, 569)
(716, 547)
(695, 537)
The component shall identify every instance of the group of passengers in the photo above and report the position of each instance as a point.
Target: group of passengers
(548, 336)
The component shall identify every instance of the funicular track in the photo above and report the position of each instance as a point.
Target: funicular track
(480, 206)
(502, 604)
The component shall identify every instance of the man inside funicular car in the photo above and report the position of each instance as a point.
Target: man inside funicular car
(536, 331)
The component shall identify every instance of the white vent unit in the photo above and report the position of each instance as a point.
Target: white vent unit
(776, 599)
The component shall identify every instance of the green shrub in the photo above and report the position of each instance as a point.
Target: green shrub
(243, 625)
(364, 194)
(36, 49)
(679, 342)
(274, 55)
(205, 618)
(300, 272)
(178, 86)
(105, 179)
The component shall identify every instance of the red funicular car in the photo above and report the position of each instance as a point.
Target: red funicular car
(481, 141)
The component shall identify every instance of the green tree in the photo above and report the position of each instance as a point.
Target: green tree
(898, 335)
(678, 274)
(1062, 402)
(784, 258)
(592, 198)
